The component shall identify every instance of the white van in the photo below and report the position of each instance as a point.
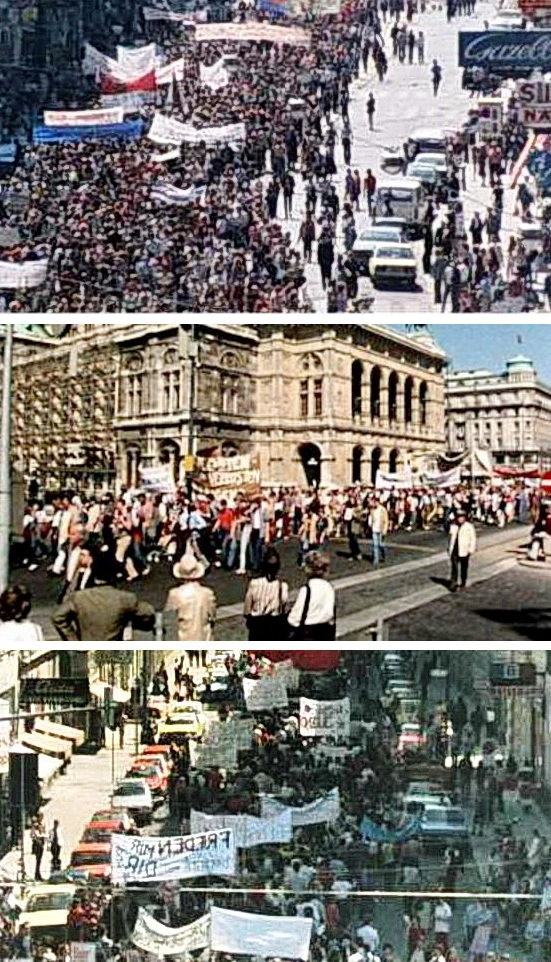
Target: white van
(403, 197)
(431, 140)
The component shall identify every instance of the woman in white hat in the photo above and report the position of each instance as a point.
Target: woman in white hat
(194, 603)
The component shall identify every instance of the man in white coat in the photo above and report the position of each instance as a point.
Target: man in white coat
(461, 545)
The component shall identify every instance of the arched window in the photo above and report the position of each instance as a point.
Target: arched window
(408, 400)
(423, 402)
(376, 455)
(357, 457)
(393, 396)
(375, 394)
(310, 455)
(393, 461)
(357, 388)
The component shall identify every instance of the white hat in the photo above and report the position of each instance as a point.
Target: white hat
(189, 568)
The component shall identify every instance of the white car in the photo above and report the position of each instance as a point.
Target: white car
(134, 794)
(394, 264)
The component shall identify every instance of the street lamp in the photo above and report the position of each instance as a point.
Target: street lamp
(5, 457)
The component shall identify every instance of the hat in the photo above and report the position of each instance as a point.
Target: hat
(189, 568)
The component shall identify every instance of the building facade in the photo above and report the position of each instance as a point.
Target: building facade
(324, 405)
(508, 414)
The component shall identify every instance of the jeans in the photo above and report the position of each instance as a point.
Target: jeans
(379, 549)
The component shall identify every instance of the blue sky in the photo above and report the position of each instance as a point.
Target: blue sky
(490, 345)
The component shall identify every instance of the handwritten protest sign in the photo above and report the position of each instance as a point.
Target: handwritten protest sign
(152, 936)
(266, 693)
(319, 719)
(323, 809)
(150, 859)
(248, 829)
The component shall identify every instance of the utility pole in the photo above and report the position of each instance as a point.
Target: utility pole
(5, 457)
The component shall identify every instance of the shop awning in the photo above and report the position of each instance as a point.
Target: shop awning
(46, 745)
(118, 695)
(43, 726)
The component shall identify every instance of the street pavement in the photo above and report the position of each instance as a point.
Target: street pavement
(404, 103)
(409, 594)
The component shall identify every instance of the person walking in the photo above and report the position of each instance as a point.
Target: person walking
(194, 603)
(436, 73)
(461, 547)
(39, 836)
(370, 109)
(55, 842)
(266, 602)
(102, 613)
(326, 256)
(307, 236)
(313, 616)
(379, 521)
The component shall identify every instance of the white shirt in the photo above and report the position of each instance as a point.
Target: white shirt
(369, 936)
(442, 918)
(20, 632)
(321, 610)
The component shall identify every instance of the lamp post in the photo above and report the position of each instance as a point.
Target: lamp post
(5, 457)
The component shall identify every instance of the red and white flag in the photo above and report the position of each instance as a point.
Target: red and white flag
(123, 82)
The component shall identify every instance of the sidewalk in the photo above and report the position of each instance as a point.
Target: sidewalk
(524, 820)
(74, 797)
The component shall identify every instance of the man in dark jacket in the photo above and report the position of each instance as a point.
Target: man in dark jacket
(102, 613)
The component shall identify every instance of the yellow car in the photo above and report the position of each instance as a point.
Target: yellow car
(184, 719)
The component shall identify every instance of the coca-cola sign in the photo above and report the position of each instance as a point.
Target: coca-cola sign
(519, 51)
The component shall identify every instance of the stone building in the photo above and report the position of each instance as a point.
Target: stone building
(508, 414)
(327, 404)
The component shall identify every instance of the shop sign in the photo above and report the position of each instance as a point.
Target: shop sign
(66, 692)
(507, 51)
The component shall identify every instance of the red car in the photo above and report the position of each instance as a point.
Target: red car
(153, 774)
(93, 858)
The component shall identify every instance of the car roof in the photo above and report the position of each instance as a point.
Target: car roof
(428, 133)
(105, 824)
(129, 781)
(49, 889)
(92, 848)
(409, 183)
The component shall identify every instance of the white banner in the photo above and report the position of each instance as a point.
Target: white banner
(319, 719)
(159, 479)
(82, 951)
(95, 62)
(251, 33)
(287, 673)
(266, 693)
(166, 193)
(130, 102)
(248, 830)
(168, 155)
(152, 13)
(443, 479)
(387, 482)
(216, 76)
(165, 130)
(137, 60)
(242, 733)
(83, 118)
(160, 940)
(266, 936)
(172, 71)
(324, 809)
(21, 276)
(149, 859)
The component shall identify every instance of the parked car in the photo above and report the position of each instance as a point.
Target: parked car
(154, 758)
(183, 718)
(411, 737)
(441, 825)
(153, 775)
(416, 804)
(103, 831)
(134, 794)
(393, 264)
(112, 814)
(93, 858)
(45, 911)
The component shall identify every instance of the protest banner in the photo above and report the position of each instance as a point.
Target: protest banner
(319, 719)
(443, 479)
(228, 476)
(82, 951)
(217, 748)
(149, 859)
(153, 13)
(23, 275)
(242, 730)
(249, 830)
(336, 752)
(160, 479)
(137, 59)
(216, 76)
(166, 193)
(119, 82)
(129, 103)
(170, 71)
(173, 154)
(160, 940)
(252, 33)
(324, 809)
(83, 118)
(266, 936)
(95, 62)
(388, 482)
(165, 130)
(287, 673)
(265, 693)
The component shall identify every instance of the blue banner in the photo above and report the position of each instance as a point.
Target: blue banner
(371, 832)
(276, 8)
(504, 51)
(130, 130)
